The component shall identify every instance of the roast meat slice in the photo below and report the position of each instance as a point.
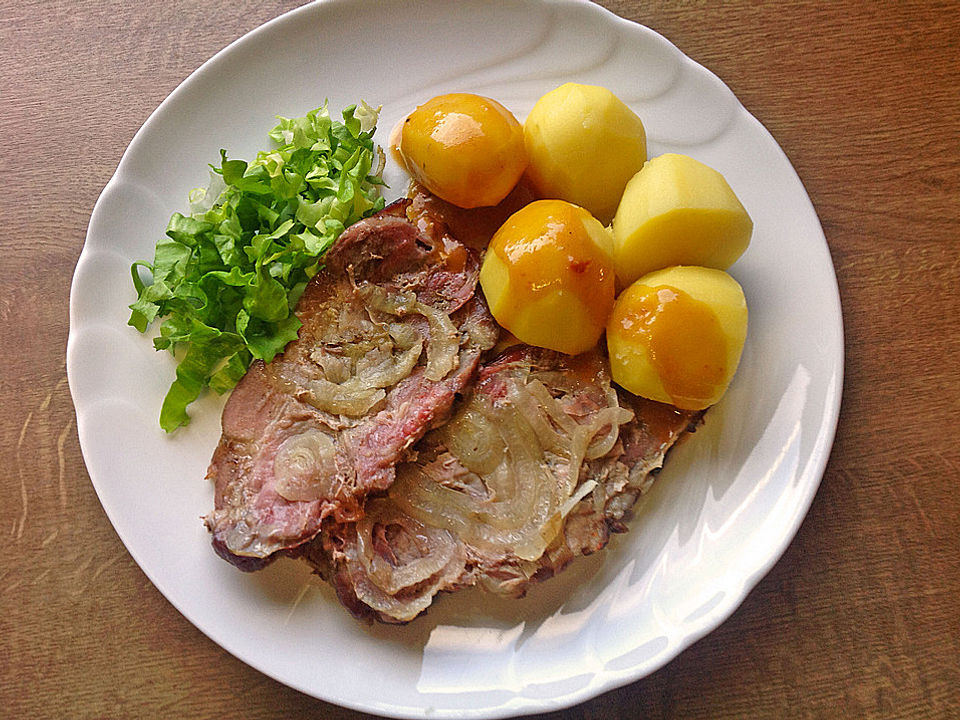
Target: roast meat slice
(538, 465)
(392, 331)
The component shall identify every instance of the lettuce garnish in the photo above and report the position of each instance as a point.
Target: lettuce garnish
(225, 279)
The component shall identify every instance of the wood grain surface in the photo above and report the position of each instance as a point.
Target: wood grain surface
(861, 616)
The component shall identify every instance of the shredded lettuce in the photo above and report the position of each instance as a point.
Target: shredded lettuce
(226, 277)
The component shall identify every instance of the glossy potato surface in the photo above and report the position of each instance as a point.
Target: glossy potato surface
(678, 211)
(548, 276)
(464, 148)
(676, 336)
(583, 145)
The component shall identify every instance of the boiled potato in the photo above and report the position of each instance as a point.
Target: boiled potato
(464, 148)
(678, 211)
(676, 335)
(548, 276)
(583, 145)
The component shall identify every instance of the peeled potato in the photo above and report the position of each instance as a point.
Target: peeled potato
(548, 276)
(464, 148)
(583, 145)
(676, 336)
(678, 211)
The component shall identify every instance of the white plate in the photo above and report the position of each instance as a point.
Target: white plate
(722, 512)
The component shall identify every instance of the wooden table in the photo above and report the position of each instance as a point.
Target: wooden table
(861, 616)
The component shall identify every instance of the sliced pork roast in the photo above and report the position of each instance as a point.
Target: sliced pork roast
(537, 465)
(392, 331)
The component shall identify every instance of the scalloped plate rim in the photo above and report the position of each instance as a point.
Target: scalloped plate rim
(735, 585)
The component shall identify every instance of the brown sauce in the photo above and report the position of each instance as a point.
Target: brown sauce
(473, 227)
(685, 341)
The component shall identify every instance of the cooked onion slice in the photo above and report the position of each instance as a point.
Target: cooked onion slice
(443, 341)
(473, 439)
(443, 345)
(304, 465)
(357, 395)
(351, 379)
(398, 551)
(511, 468)
(398, 564)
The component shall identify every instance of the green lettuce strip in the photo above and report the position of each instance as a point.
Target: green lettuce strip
(225, 278)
